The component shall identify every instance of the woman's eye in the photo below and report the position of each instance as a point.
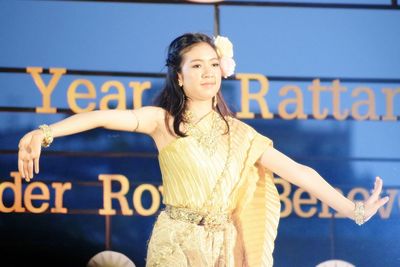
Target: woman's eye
(196, 66)
(216, 65)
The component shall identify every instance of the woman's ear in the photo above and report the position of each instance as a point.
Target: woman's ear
(180, 79)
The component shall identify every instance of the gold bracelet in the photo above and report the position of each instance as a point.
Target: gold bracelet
(48, 135)
(359, 212)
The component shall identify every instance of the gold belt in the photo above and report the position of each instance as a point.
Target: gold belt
(213, 222)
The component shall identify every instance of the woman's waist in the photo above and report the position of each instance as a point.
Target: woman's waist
(211, 220)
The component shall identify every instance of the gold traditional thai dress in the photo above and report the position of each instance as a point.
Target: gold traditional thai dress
(243, 203)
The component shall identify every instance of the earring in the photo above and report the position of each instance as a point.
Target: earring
(215, 101)
(180, 83)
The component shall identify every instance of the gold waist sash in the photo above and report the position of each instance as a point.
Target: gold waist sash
(212, 222)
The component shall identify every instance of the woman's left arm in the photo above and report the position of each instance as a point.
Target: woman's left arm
(308, 179)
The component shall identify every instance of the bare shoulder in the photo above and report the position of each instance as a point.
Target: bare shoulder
(160, 114)
(157, 113)
(162, 135)
(142, 120)
(151, 118)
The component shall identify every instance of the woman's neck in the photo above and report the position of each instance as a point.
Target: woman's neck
(199, 108)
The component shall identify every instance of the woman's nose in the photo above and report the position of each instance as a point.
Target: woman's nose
(208, 72)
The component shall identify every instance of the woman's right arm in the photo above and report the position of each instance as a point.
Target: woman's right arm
(143, 120)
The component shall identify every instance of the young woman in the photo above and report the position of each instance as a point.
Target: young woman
(222, 207)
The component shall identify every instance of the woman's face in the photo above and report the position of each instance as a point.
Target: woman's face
(200, 72)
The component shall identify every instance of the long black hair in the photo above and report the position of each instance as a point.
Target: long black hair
(172, 98)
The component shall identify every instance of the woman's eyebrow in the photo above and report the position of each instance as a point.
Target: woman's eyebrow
(214, 58)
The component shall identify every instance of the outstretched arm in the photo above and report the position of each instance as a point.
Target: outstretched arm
(143, 120)
(308, 179)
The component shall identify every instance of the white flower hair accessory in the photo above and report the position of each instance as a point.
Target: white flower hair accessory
(225, 53)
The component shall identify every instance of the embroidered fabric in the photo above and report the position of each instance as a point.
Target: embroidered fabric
(247, 192)
(212, 222)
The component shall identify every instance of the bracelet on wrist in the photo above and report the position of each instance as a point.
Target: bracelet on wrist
(359, 213)
(48, 135)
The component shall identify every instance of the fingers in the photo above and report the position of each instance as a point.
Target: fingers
(23, 155)
(377, 190)
(375, 202)
(28, 159)
(20, 163)
(21, 168)
(378, 184)
(26, 170)
(36, 161)
(30, 168)
(376, 206)
(383, 201)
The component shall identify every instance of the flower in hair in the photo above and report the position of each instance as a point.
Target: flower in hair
(225, 53)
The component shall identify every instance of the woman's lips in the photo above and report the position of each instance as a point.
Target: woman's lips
(207, 84)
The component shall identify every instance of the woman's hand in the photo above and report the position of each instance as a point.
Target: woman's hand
(374, 202)
(29, 152)
(308, 179)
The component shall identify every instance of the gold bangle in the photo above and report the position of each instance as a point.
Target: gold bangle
(359, 213)
(48, 135)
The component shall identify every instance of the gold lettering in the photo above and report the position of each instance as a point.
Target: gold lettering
(60, 189)
(72, 95)
(108, 195)
(316, 88)
(120, 96)
(46, 91)
(298, 101)
(259, 96)
(43, 195)
(137, 199)
(298, 201)
(336, 90)
(370, 103)
(17, 189)
(284, 196)
(138, 89)
(390, 93)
